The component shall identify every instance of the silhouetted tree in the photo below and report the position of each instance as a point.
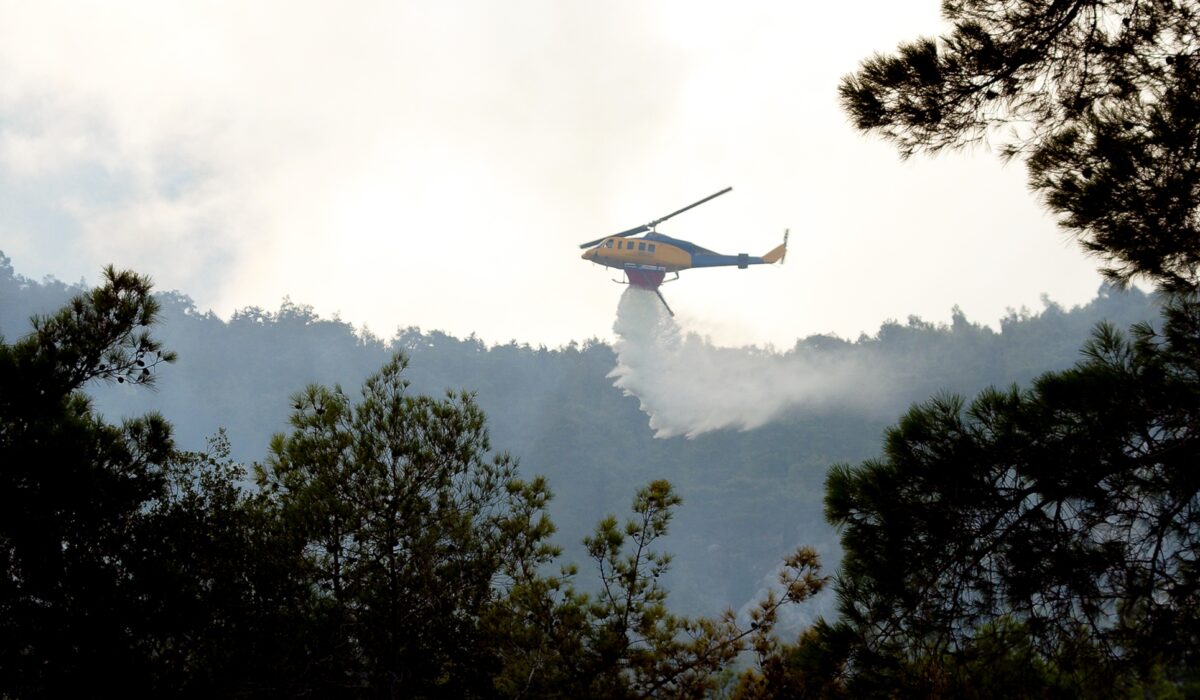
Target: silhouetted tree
(227, 611)
(74, 491)
(1102, 97)
(1055, 528)
(622, 641)
(408, 530)
(128, 566)
(1072, 508)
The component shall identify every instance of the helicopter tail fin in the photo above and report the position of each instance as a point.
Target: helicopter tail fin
(779, 252)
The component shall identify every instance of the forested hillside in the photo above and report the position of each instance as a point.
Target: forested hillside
(1029, 525)
(749, 498)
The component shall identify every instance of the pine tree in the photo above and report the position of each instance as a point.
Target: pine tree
(1102, 98)
(73, 494)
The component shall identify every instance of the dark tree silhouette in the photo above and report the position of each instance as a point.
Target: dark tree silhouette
(1102, 97)
(73, 492)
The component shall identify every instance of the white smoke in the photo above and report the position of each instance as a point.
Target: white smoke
(688, 386)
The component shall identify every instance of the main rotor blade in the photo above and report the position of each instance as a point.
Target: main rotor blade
(646, 227)
(631, 232)
(690, 206)
(623, 234)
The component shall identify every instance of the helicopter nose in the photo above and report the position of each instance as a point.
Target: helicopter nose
(589, 254)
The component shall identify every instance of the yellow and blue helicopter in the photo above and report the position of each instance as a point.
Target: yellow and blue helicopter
(647, 260)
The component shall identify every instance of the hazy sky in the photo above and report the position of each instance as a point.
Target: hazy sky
(437, 163)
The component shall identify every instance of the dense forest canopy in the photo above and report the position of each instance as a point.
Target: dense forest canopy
(1030, 528)
(750, 497)
(386, 551)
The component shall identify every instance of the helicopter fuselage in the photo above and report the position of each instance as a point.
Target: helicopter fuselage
(645, 260)
(639, 253)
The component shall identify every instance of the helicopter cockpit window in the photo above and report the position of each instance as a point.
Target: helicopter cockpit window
(608, 243)
(620, 245)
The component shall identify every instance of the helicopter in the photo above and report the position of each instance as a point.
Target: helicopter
(646, 260)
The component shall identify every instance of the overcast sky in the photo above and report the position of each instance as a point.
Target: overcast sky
(438, 163)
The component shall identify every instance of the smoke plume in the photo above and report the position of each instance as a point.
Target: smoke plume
(688, 386)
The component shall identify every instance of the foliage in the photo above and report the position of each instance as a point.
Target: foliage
(775, 675)
(1100, 95)
(406, 530)
(129, 566)
(1052, 529)
(429, 563)
(228, 613)
(384, 555)
(234, 594)
(1072, 509)
(74, 493)
(751, 496)
(622, 641)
